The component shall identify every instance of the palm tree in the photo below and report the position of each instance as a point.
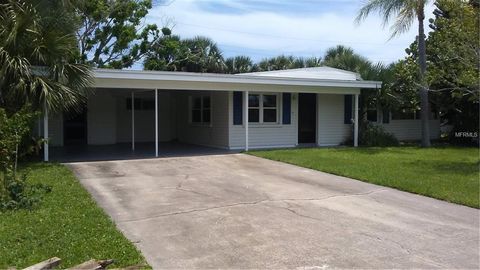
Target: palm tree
(345, 58)
(313, 62)
(406, 11)
(337, 51)
(239, 64)
(203, 55)
(37, 57)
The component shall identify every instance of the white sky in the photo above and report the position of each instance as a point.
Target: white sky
(266, 28)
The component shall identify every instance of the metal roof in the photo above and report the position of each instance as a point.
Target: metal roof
(111, 78)
(321, 73)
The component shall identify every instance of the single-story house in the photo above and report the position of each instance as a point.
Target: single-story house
(288, 108)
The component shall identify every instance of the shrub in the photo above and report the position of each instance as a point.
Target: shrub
(14, 190)
(375, 135)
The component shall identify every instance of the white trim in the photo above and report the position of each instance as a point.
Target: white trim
(45, 133)
(355, 124)
(317, 120)
(261, 109)
(329, 145)
(110, 78)
(133, 121)
(191, 101)
(246, 121)
(156, 122)
(265, 147)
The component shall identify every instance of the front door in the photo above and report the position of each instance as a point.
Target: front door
(307, 118)
(75, 128)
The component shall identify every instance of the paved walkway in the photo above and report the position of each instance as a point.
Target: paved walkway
(239, 211)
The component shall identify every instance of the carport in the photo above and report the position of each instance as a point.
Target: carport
(232, 112)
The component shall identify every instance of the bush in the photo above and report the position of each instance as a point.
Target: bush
(19, 194)
(14, 190)
(375, 135)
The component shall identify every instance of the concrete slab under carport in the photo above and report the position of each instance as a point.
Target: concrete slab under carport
(123, 151)
(239, 211)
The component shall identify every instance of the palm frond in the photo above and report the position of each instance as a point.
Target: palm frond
(36, 59)
(403, 22)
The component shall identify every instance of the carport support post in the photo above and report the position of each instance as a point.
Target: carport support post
(45, 132)
(133, 121)
(156, 122)
(355, 123)
(245, 113)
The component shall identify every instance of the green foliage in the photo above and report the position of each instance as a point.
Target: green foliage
(401, 86)
(375, 135)
(454, 64)
(19, 194)
(453, 67)
(453, 49)
(164, 54)
(67, 224)
(282, 62)
(203, 55)
(198, 54)
(37, 51)
(405, 13)
(239, 64)
(14, 191)
(446, 173)
(110, 33)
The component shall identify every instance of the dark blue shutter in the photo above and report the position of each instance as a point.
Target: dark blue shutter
(287, 108)
(386, 116)
(348, 109)
(237, 108)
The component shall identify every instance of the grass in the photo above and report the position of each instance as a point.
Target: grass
(67, 224)
(446, 173)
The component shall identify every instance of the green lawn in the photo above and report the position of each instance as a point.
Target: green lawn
(67, 224)
(447, 173)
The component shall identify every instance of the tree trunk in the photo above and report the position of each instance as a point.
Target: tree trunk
(422, 54)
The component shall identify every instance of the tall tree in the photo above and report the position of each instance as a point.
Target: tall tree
(198, 54)
(345, 58)
(111, 32)
(406, 12)
(453, 51)
(202, 55)
(239, 64)
(37, 52)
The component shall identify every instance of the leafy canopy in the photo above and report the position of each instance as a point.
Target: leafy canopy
(111, 33)
(37, 52)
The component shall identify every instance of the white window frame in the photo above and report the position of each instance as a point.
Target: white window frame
(261, 108)
(202, 108)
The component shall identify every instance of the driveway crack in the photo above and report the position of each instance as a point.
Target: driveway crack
(194, 210)
(248, 203)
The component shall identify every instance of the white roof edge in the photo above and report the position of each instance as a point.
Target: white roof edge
(226, 78)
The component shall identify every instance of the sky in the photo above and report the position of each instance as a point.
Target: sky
(267, 28)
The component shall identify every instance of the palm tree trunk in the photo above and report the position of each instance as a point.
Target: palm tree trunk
(425, 111)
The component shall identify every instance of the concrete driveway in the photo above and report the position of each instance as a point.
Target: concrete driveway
(239, 211)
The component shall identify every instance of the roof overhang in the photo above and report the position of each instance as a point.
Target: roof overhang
(135, 79)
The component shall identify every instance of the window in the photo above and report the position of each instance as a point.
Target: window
(372, 114)
(263, 108)
(201, 110)
(403, 114)
(141, 104)
(254, 108)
